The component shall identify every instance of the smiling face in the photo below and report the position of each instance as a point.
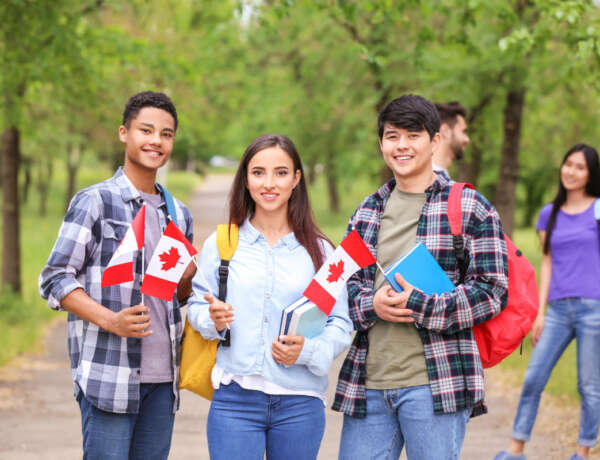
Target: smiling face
(271, 180)
(574, 173)
(148, 139)
(408, 153)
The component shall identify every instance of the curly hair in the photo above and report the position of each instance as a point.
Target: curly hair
(148, 99)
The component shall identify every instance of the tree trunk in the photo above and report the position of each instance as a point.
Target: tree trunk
(11, 254)
(332, 186)
(469, 171)
(509, 164)
(43, 184)
(73, 162)
(27, 164)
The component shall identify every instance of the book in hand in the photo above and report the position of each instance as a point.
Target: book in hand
(303, 318)
(419, 268)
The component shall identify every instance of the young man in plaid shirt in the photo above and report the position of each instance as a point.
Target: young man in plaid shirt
(413, 375)
(124, 354)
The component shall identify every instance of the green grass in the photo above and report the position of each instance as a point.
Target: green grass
(351, 195)
(563, 382)
(22, 319)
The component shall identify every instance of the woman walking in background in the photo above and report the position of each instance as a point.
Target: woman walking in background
(569, 283)
(269, 390)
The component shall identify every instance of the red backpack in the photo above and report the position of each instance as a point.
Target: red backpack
(501, 335)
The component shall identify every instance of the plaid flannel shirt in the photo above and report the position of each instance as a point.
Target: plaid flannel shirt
(444, 321)
(106, 367)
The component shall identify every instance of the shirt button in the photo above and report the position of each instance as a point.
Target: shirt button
(266, 320)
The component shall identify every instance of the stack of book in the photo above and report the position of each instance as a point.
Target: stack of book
(302, 318)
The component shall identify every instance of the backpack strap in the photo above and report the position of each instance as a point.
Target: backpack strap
(227, 242)
(169, 202)
(455, 219)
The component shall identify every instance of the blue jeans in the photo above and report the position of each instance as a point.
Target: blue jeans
(146, 435)
(245, 423)
(403, 416)
(566, 319)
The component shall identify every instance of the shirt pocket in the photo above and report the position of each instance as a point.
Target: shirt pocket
(113, 232)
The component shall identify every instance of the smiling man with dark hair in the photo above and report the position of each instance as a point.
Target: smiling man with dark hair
(402, 385)
(124, 352)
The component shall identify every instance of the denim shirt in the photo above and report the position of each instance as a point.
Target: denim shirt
(262, 281)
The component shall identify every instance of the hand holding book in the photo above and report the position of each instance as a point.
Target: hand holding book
(287, 348)
(390, 305)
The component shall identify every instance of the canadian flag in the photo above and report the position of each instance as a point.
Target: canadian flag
(171, 257)
(351, 255)
(120, 267)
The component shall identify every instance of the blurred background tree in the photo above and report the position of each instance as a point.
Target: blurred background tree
(527, 70)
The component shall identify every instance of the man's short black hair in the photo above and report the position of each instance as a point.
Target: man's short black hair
(148, 99)
(410, 112)
(449, 112)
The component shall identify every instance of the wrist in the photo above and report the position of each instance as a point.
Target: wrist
(107, 321)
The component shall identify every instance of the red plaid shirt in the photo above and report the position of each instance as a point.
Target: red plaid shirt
(444, 321)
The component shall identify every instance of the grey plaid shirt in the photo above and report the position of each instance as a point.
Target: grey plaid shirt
(105, 367)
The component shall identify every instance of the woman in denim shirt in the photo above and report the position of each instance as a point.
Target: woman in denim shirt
(269, 390)
(569, 276)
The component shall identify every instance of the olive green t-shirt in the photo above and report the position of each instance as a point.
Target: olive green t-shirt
(396, 358)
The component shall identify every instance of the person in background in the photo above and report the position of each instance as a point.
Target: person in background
(453, 135)
(569, 274)
(269, 389)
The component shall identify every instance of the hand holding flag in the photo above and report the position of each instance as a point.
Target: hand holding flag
(171, 257)
(220, 312)
(351, 255)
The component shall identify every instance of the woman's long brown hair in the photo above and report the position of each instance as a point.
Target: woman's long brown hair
(300, 215)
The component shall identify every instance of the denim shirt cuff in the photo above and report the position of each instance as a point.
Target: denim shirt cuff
(306, 354)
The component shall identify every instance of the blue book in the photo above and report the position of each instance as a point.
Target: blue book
(303, 318)
(420, 269)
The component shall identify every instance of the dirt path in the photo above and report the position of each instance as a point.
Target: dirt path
(39, 417)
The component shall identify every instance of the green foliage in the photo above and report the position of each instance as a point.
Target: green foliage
(315, 71)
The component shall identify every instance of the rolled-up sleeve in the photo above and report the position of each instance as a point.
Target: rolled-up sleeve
(72, 251)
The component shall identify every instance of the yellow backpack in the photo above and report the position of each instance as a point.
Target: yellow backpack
(199, 355)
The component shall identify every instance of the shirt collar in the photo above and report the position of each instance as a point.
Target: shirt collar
(250, 234)
(441, 181)
(127, 189)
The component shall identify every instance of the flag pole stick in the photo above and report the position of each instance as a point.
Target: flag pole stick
(204, 280)
(380, 269)
(143, 268)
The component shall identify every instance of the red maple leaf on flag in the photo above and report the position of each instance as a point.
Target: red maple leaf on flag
(169, 259)
(335, 271)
